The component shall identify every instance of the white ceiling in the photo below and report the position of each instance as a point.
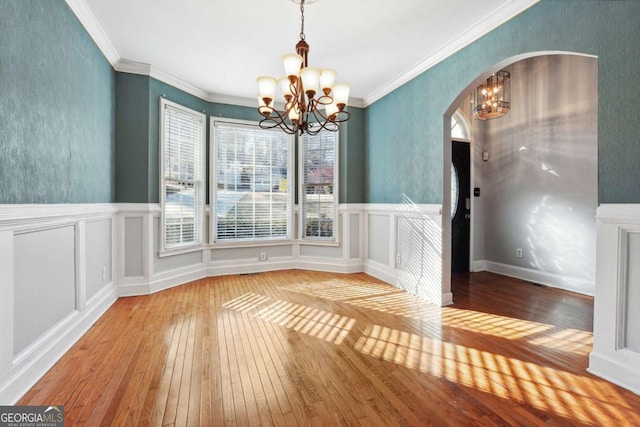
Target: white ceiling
(218, 48)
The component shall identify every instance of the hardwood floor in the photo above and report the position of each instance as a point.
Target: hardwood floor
(307, 348)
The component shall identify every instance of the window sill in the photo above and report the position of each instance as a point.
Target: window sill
(313, 242)
(181, 250)
(250, 244)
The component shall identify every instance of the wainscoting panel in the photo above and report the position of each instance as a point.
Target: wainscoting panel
(404, 248)
(632, 299)
(379, 237)
(44, 282)
(355, 221)
(133, 250)
(99, 237)
(55, 282)
(616, 327)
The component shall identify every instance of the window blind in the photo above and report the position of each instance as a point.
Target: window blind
(183, 175)
(252, 195)
(318, 200)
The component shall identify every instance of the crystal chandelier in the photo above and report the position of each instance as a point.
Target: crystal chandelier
(303, 111)
(493, 99)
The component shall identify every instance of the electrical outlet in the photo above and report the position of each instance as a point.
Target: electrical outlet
(519, 252)
(104, 273)
(263, 256)
(399, 259)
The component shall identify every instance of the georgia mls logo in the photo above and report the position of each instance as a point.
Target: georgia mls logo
(55, 409)
(31, 416)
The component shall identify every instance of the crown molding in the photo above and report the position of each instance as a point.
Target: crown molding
(179, 84)
(93, 27)
(140, 68)
(97, 33)
(133, 67)
(482, 27)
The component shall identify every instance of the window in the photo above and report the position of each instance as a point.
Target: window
(459, 132)
(182, 169)
(318, 178)
(251, 182)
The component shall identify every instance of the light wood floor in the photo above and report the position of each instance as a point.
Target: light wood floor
(306, 348)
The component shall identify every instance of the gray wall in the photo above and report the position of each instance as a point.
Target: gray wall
(539, 187)
(57, 106)
(404, 130)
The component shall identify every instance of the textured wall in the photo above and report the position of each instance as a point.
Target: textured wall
(57, 108)
(351, 174)
(404, 130)
(540, 183)
(132, 138)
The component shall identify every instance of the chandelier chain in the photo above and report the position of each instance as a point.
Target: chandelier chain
(302, 36)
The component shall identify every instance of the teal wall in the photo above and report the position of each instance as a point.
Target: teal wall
(57, 108)
(132, 138)
(352, 145)
(404, 130)
(138, 138)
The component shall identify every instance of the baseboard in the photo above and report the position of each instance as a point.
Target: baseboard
(477, 266)
(615, 372)
(224, 268)
(34, 362)
(169, 279)
(381, 271)
(567, 283)
(329, 265)
(447, 299)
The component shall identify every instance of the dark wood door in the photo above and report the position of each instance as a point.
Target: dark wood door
(461, 221)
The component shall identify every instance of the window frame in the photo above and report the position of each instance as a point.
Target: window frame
(334, 240)
(213, 189)
(199, 184)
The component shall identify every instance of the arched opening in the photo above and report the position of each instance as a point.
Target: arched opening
(540, 228)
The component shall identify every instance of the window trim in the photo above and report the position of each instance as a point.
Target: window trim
(335, 239)
(213, 242)
(163, 250)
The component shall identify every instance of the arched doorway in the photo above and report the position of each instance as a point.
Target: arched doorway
(460, 213)
(545, 218)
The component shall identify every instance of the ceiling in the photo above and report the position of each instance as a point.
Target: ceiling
(217, 48)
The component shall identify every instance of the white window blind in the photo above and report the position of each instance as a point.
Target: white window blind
(252, 191)
(318, 199)
(182, 174)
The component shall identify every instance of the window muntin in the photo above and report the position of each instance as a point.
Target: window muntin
(318, 189)
(250, 182)
(182, 169)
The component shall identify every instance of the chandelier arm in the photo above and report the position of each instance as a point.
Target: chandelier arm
(270, 123)
(324, 122)
(279, 121)
(339, 117)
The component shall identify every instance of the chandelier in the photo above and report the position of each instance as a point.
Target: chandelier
(303, 111)
(493, 99)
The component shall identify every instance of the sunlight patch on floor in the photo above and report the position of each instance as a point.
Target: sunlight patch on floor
(320, 324)
(542, 387)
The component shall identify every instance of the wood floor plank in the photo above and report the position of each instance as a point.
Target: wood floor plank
(296, 348)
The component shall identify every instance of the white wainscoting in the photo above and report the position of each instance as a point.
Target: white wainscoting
(616, 323)
(55, 282)
(403, 246)
(62, 266)
(141, 270)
